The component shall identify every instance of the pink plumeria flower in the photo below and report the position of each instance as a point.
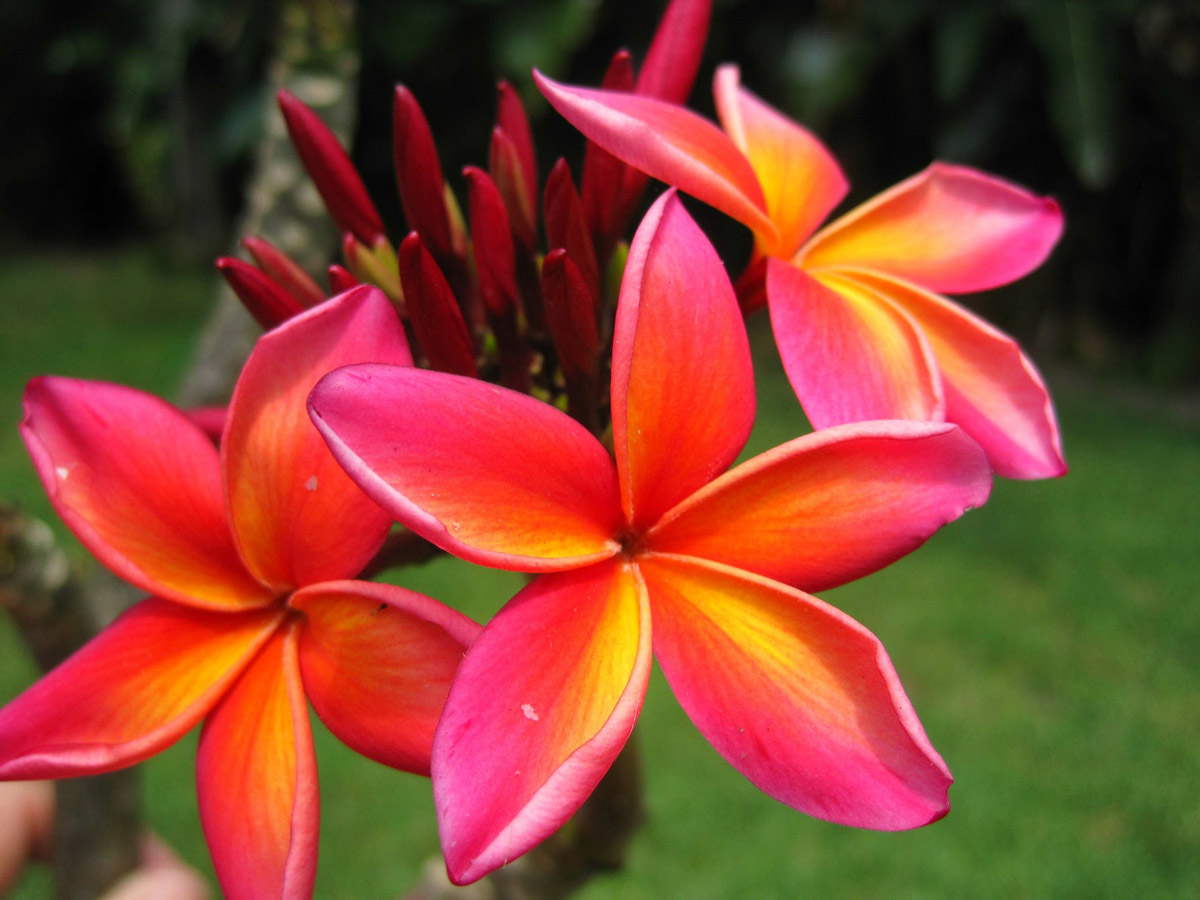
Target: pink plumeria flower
(246, 554)
(856, 307)
(658, 551)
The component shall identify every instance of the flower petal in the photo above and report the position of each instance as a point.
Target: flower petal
(849, 356)
(297, 518)
(542, 705)
(993, 390)
(832, 506)
(493, 476)
(667, 142)
(800, 179)
(377, 662)
(140, 485)
(796, 696)
(133, 690)
(256, 777)
(669, 70)
(949, 228)
(682, 379)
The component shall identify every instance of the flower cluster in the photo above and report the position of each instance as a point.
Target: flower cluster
(552, 428)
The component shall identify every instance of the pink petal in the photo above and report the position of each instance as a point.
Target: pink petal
(832, 506)
(800, 179)
(257, 781)
(949, 229)
(377, 662)
(850, 356)
(297, 518)
(667, 73)
(130, 692)
(542, 705)
(140, 485)
(669, 69)
(668, 142)
(682, 380)
(488, 474)
(992, 389)
(796, 696)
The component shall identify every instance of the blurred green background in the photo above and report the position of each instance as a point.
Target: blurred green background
(1049, 641)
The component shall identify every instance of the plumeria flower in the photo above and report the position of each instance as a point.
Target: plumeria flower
(856, 307)
(658, 553)
(246, 554)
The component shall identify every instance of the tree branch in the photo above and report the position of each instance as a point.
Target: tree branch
(97, 823)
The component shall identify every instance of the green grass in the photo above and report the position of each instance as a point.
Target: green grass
(1049, 642)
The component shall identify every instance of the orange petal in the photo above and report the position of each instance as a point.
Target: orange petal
(542, 705)
(949, 229)
(297, 517)
(682, 380)
(993, 390)
(832, 506)
(133, 690)
(140, 485)
(377, 662)
(849, 355)
(796, 696)
(800, 179)
(667, 142)
(493, 476)
(257, 781)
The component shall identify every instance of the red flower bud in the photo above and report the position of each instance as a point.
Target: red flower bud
(492, 237)
(285, 271)
(269, 303)
(603, 172)
(340, 279)
(332, 172)
(566, 225)
(433, 311)
(419, 174)
(570, 313)
(507, 172)
(512, 120)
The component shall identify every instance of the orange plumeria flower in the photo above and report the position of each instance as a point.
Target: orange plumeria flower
(246, 553)
(661, 553)
(856, 307)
